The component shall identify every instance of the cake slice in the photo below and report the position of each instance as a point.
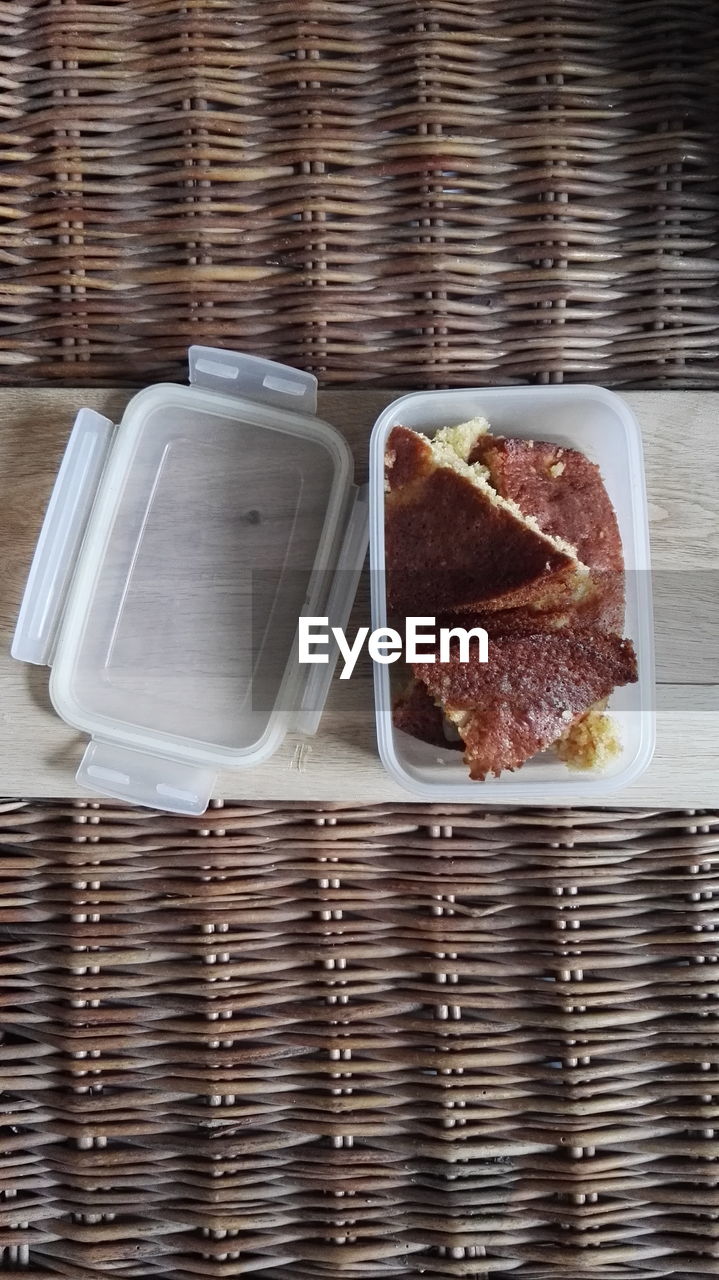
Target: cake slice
(453, 543)
(566, 495)
(531, 691)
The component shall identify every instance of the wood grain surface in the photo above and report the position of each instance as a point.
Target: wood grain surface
(39, 754)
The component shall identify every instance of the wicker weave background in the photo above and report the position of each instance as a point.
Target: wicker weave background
(438, 192)
(375, 1043)
(367, 1043)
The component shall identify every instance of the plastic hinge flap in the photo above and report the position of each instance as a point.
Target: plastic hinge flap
(339, 607)
(265, 381)
(60, 538)
(139, 777)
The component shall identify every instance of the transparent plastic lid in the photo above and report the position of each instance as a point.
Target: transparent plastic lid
(221, 516)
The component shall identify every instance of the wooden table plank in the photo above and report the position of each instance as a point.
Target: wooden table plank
(39, 754)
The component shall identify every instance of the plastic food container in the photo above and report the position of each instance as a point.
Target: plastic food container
(603, 427)
(180, 548)
(177, 553)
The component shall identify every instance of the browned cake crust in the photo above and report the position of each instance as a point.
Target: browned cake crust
(416, 713)
(407, 458)
(532, 689)
(451, 544)
(509, 622)
(565, 493)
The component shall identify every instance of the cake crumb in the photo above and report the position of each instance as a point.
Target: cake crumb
(592, 743)
(463, 437)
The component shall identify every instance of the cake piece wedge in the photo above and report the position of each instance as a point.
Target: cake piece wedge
(565, 493)
(453, 543)
(531, 691)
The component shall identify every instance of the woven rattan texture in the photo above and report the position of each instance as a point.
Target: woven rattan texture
(364, 1043)
(416, 193)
